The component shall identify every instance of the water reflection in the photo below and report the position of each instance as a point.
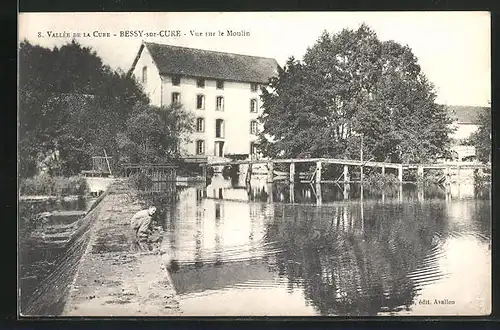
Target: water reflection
(258, 190)
(324, 253)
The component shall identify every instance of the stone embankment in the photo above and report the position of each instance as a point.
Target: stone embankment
(113, 278)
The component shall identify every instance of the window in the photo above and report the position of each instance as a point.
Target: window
(219, 148)
(176, 97)
(253, 148)
(200, 125)
(254, 87)
(200, 82)
(199, 194)
(200, 147)
(220, 84)
(176, 80)
(253, 105)
(144, 74)
(200, 101)
(219, 103)
(219, 128)
(253, 127)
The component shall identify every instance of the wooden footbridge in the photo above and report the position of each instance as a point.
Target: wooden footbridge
(346, 163)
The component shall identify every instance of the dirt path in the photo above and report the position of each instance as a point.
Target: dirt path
(112, 280)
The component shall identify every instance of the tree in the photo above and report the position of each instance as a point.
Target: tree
(70, 104)
(351, 84)
(481, 139)
(153, 134)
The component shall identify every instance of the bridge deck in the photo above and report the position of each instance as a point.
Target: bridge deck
(352, 163)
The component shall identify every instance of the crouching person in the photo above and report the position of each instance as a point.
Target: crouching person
(140, 223)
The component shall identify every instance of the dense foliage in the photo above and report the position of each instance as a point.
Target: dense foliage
(152, 134)
(53, 186)
(351, 84)
(481, 139)
(72, 107)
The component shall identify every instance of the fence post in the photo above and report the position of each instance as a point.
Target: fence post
(292, 172)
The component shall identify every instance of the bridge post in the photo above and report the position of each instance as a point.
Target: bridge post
(400, 173)
(458, 173)
(292, 172)
(318, 172)
(270, 193)
(346, 174)
(249, 173)
(420, 172)
(292, 192)
(383, 170)
(447, 175)
(347, 188)
(204, 171)
(319, 195)
(270, 169)
(420, 193)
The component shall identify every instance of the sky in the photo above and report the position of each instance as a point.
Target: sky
(453, 48)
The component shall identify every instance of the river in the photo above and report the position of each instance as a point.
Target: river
(305, 250)
(43, 245)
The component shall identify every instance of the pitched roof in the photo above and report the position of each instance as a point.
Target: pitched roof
(464, 114)
(210, 64)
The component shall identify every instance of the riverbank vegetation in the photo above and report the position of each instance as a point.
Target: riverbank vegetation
(48, 185)
(378, 180)
(73, 106)
(351, 85)
(481, 139)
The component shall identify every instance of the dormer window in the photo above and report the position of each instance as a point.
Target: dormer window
(144, 74)
(176, 80)
(220, 84)
(254, 87)
(200, 83)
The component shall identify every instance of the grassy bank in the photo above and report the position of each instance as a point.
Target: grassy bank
(53, 186)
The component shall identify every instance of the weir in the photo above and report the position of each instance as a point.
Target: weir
(51, 295)
(101, 273)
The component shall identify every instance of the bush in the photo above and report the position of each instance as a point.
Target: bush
(481, 179)
(379, 180)
(431, 177)
(53, 186)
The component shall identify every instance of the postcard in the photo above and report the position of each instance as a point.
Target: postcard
(254, 164)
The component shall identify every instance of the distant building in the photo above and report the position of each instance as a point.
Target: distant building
(465, 121)
(221, 89)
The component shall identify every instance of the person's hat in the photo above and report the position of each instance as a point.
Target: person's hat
(152, 210)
